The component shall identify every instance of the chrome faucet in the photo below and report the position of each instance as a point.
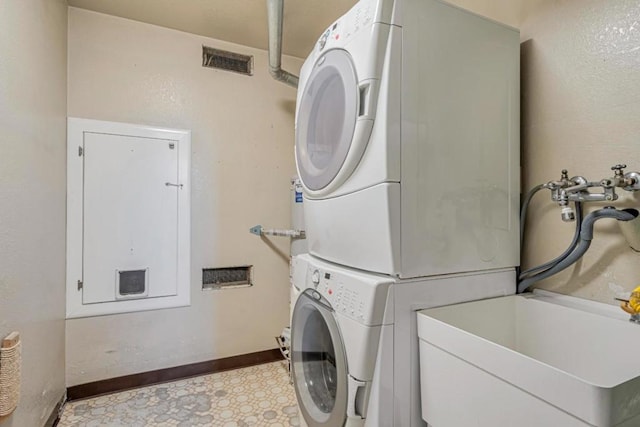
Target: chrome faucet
(629, 181)
(576, 189)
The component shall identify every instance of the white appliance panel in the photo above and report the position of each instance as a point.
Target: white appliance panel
(360, 229)
(460, 142)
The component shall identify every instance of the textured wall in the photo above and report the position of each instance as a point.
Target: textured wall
(242, 160)
(33, 51)
(580, 109)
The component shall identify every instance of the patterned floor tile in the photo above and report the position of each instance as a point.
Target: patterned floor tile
(255, 396)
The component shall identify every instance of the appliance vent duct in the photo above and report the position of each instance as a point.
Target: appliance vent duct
(228, 277)
(229, 61)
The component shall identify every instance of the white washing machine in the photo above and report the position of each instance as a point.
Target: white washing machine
(336, 328)
(407, 140)
(354, 341)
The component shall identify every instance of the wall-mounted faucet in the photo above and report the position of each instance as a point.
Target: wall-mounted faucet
(629, 181)
(576, 189)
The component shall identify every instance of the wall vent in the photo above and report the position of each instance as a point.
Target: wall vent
(227, 277)
(229, 61)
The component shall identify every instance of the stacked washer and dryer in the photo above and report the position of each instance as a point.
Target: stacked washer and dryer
(407, 147)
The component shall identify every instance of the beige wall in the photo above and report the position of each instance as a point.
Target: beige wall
(32, 197)
(242, 160)
(581, 103)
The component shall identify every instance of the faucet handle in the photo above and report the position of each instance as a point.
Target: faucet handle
(629, 181)
(618, 169)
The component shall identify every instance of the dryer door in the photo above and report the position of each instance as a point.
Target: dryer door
(318, 362)
(326, 120)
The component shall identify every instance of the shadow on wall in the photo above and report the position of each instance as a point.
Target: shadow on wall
(579, 277)
(288, 106)
(284, 256)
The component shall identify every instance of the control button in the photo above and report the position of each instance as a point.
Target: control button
(330, 291)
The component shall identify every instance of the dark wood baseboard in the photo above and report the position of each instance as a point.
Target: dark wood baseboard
(142, 379)
(54, 417)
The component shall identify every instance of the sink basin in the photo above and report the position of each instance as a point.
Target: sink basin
(529, 360)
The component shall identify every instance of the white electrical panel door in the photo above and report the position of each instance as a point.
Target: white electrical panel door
(130, 206)
(128, 217)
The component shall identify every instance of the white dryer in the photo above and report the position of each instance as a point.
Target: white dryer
(407, 140)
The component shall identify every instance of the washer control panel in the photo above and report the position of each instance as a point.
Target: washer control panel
(359, 296)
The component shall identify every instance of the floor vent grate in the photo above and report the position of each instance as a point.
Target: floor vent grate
(229, 61)
(227, 277)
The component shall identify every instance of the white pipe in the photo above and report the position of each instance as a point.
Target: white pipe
(274, 14)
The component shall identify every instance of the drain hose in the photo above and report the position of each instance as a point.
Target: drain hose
(586, 235)
(574, 242)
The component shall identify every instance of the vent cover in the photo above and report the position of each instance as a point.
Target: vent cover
(228, 277)
(229, 61)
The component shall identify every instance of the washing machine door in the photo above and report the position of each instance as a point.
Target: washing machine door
(318, 362)
(326, 120)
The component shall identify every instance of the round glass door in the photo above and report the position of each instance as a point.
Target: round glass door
(326, 119)
(318, 362)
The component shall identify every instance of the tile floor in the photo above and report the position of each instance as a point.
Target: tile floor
(255, 396)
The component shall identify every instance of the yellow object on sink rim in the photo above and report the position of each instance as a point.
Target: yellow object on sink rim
(633, 305)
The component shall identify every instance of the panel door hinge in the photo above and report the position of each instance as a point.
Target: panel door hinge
(80, 284)
(80, 150)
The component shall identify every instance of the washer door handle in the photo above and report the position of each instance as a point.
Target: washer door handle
(357, 399)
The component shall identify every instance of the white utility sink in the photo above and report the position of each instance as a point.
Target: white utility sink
(529, 360)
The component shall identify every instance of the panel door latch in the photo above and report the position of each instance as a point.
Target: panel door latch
(80, 284)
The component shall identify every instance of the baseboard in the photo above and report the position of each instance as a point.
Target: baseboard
(142, 379)
(53, 419)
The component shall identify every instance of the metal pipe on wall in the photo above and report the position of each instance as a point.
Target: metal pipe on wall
(275, 10)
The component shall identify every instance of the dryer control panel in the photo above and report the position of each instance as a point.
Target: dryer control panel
(360, 16)
(359, 296)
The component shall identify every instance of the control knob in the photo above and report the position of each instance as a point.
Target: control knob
(315, 278)
(323, 39)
